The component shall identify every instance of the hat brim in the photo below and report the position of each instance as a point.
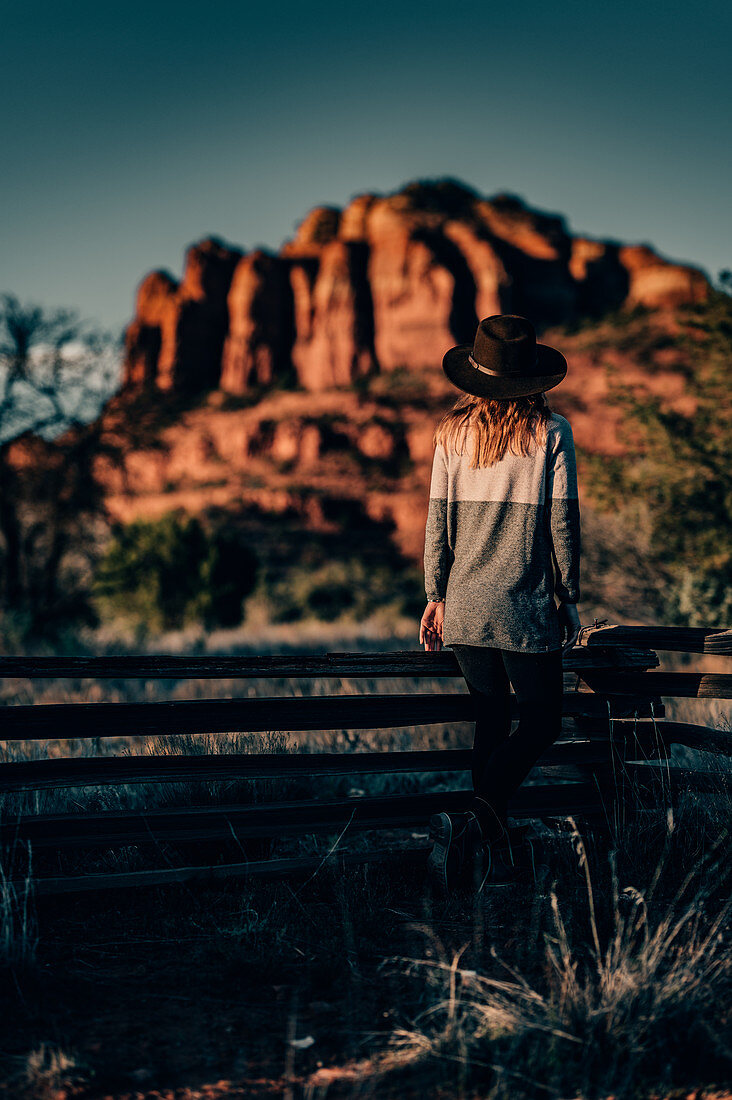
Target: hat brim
(466, 377)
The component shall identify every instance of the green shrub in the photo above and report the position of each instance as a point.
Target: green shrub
(349, 587)
(676, 478)
(163, 574)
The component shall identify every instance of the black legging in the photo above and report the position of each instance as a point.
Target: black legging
(501, 760)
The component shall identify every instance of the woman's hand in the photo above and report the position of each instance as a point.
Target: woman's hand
(430, 628)
(569, 622)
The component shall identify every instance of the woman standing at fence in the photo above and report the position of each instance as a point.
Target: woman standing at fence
(502, 545)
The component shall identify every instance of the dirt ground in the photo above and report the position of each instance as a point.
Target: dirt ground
(286, 990)
(201, 994)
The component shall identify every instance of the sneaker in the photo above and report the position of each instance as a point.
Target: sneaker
(500, 868)
(455, 838)
(441, 837)
(470, 844)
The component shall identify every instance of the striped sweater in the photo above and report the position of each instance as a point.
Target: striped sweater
(502, 541)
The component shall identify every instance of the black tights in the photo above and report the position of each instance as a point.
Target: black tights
(501, 760)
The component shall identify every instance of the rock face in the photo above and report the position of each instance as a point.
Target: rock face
(334, 331)
(387, 283)
(150, 338)
(177, 337)
(654, 282)
(260, 324)
(417, 278)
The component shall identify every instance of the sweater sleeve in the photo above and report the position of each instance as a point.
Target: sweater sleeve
(564, 518)
(437, 553)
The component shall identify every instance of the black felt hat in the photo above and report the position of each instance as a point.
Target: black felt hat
(504, 360)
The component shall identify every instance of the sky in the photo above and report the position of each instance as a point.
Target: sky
(128, 131)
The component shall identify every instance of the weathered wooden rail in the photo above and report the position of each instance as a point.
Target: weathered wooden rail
(614, 746)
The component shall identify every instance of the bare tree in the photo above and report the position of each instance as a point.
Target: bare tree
(55, 377)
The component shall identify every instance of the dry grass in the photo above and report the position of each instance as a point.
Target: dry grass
(162, 794)
(636, 995)
(18, 927)
(47, 1073)
(604, 976)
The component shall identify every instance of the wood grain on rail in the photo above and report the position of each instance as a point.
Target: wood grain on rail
(681, 685)
(46, 721)
(678, 638)
(257, 869)
(274, 666)
(244, 822)
(118, 770)
(610, 755)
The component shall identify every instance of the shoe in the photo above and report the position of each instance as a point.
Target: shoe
(455, 839)
(500, 868)
(470, 844)
(441, 837)
(495, 825)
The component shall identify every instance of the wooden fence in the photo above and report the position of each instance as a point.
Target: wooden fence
(613, 748)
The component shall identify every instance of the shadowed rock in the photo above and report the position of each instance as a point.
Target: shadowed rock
(150, 338)
(261, 326)
(176, 341)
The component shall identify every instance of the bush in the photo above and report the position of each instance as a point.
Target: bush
(349, 587)
(676, 478)
(165, 573)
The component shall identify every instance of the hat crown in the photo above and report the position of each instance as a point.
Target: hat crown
(506, 344)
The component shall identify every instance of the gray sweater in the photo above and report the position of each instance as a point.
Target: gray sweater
(502, 541)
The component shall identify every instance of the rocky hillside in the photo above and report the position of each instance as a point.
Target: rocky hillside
(388, 282)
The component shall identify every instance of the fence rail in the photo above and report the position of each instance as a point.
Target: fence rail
(278, 819)
(680, 638)
(51, 721)
(615, 745)
(171, 667)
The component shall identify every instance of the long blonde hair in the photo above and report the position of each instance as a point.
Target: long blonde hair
(497, 426)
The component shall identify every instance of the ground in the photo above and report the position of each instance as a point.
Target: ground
(306, 989)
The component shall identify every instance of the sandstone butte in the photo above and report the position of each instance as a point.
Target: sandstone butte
(387, 282)
(293, 381)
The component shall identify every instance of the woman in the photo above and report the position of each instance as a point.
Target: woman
(502, 544)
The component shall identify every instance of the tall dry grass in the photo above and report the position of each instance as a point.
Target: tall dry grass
(630, 990)
(18, 924)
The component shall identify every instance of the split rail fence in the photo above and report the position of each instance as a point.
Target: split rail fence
(614, 747)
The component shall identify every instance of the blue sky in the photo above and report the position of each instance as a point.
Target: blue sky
(129, 131)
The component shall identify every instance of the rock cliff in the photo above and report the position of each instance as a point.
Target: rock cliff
(388, 282)
(363, 450)
(306, 384)
(176, 339)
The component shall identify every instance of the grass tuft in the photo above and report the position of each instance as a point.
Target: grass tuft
(630, 989)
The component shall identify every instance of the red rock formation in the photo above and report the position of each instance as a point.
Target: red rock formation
(354, 217)
(203, 318)
(492, 281)
(412, 291)
(334, 334)
(388, 282)
(534, 249)
(176, 340)
(257, 348)
(150, 339)
(601, 278)
(654, 282)
(376, 441)
(319, 228)
(540, 236)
